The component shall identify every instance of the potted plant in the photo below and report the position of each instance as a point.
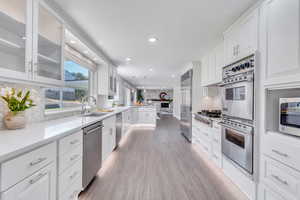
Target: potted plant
(17, 102)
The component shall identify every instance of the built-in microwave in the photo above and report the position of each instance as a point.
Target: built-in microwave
(289, 116)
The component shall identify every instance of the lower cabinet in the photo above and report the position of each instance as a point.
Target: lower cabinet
(39, 186)
(108, 137)
(265, 193)
(208, 140)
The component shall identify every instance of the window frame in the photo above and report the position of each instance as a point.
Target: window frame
(91, 86)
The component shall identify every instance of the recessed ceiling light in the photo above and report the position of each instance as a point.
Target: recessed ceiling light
(150, 69)
(72, 41)
(86, 52)
(173, 75)
(128, 59)
(152, 39)
(95, 59)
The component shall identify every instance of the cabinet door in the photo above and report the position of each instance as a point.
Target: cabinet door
(219, 62)
(212, 68)
(204, 71)
(281, 41)
(248, 35)
(48, 34)
(106, 145)
(40, 185)
(231, 46)
(15, 38)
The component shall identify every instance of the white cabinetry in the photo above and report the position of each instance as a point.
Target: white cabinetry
(108, 136)
(279, 167)
(280, 41)
(31, 39)
(241, 39)
(70, 166)
(40, 185)
(30, 176)
(212, 65)
(208, 139)
(107, 80)
(147, 116)
(127, 121)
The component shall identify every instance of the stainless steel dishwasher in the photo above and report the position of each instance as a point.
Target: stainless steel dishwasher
(119, 124)
(92, 152)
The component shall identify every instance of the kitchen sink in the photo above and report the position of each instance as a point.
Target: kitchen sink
(94, 114)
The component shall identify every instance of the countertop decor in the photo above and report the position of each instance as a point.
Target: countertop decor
(18, 101)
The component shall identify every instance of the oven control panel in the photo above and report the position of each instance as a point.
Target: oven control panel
(237, 125)
(242, 66)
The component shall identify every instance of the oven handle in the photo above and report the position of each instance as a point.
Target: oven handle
(230, 127)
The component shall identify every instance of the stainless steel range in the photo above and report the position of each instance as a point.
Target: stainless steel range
(237, 143)
(238, 112)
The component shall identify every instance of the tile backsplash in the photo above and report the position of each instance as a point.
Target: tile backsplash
(33, 114)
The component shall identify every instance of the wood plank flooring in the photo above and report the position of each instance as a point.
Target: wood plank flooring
(159, 165)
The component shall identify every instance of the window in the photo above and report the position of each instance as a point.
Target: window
(77, 82)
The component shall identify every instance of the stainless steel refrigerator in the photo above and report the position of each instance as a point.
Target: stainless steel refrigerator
(186, 105)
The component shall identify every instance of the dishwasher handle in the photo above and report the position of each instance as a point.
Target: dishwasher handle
(93, 130)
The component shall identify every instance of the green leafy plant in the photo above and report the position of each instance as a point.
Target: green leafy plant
(17, 101)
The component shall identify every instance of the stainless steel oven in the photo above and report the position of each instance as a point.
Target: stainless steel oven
(289, 116)
(237, 143)
(237, 97)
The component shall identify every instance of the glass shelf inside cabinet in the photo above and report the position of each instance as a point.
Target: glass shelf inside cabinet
(49, 45)
(13, 34)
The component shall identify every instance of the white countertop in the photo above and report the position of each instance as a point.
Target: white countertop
(15, 142)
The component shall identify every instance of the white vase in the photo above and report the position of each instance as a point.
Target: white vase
(14, 121)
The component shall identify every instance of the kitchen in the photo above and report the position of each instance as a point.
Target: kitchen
(115, 100)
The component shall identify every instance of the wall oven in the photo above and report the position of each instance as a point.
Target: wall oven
(237, 97)
(237, 143)
(289, 116)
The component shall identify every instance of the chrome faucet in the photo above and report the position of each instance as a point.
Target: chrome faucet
(85, 100)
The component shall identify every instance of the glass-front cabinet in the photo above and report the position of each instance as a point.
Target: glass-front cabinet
(48, 33)
(31, 42)
(15, 40)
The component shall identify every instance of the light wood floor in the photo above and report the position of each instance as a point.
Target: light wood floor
(159, 165)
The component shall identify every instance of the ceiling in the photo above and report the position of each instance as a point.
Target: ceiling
(185, 31)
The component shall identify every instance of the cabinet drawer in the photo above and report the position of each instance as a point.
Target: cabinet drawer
(216, 157)
(39, 186)
(281, 177)
(70, 142)
(19, 168)
(206, 145)
(265, 193)
(73, 191)
(68, 159)
(70, 176)
(282, 150)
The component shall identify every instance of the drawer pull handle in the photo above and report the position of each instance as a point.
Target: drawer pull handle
(37, 161)
(280, 153)
(74, 157)
(215, 140)
(37, 178)
(74, 142)
(73, 175)
(216, 157)
(280, 180)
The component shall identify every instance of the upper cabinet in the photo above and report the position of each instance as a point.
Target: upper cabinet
(280, 40)
(48, 33)
(31, 42)
(107, 80)
(241, 39)
(15, 38)
(211, 66)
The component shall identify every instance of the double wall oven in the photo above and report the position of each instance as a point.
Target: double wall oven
(238, 112)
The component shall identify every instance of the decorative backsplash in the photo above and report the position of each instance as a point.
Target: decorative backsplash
(35, 113)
